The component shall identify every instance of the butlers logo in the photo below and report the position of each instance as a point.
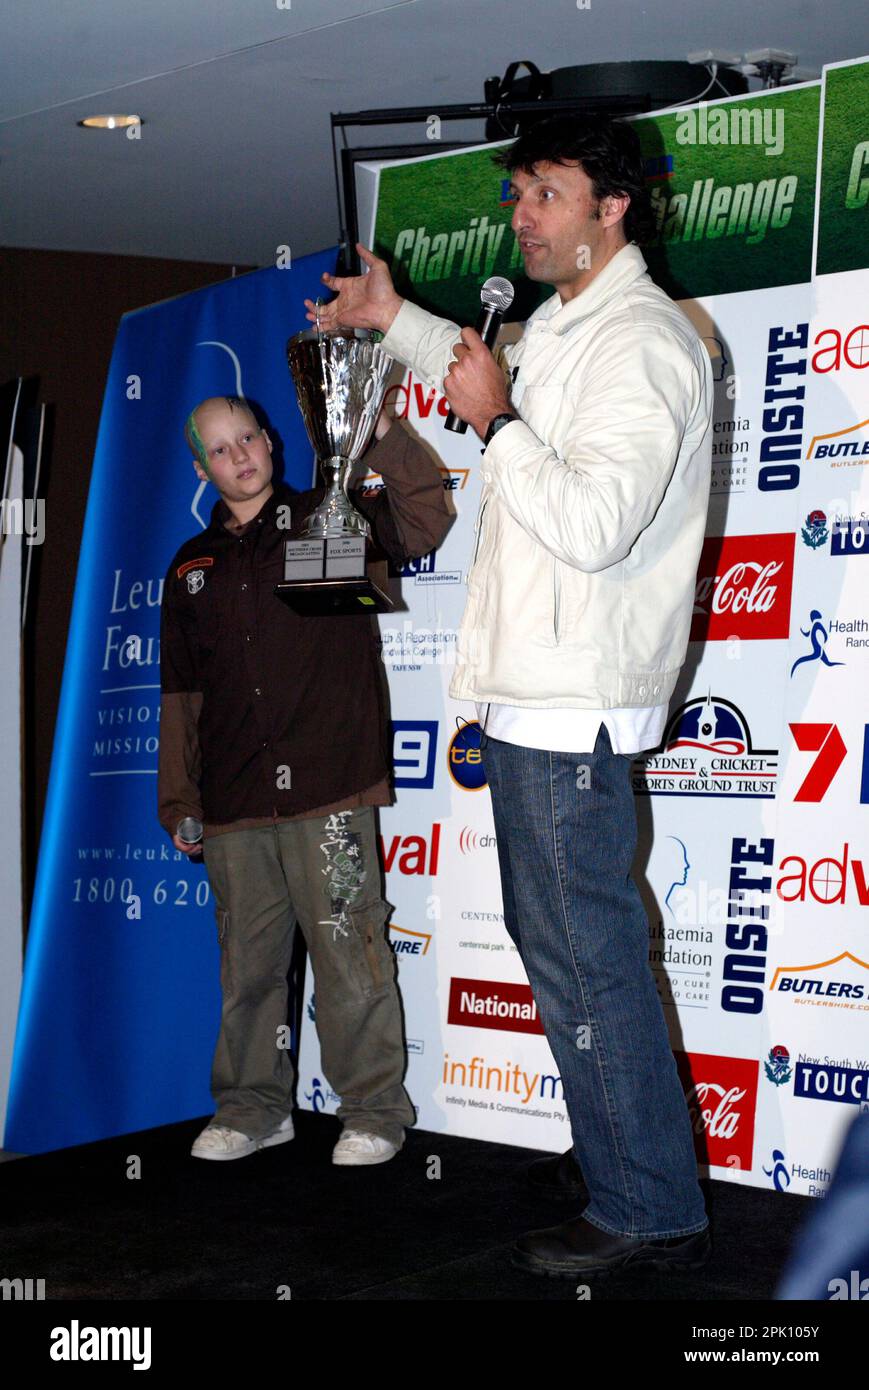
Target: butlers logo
(743, 588)
(721, 1093)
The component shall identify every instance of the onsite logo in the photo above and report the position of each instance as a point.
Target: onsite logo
(743, 588)
(778, 1065)
(414, 746)
(464, 758)
(707, 751)
(721, 1093)
(493, 1004)
(809, 985)
(405, 942)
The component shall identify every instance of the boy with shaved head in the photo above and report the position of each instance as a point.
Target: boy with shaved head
(274, 734)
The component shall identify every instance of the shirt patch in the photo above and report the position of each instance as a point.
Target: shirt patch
(191, 564)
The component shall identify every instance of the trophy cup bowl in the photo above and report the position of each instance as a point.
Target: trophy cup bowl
(331, 566)
(340, 378)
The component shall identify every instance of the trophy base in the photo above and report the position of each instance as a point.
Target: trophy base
(322, 598)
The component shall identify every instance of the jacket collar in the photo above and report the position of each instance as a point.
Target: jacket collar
(627, 265)
(220, 513)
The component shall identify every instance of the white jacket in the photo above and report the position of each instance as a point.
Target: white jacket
(593, 508)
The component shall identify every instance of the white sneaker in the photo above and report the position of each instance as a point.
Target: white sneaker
(221, 1142)
(354, 1147)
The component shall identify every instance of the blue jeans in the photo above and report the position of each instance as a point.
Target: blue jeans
(566, 841)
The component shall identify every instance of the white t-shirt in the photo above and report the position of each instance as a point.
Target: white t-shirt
(574, 730)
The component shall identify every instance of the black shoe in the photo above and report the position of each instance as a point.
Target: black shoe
(559, 1176)
(577, 1248)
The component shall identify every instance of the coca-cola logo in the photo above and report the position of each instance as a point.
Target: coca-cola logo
(743, 588)
(721, 1094)
(718, 1118)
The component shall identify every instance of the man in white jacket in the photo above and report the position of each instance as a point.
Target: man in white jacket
(596, 476)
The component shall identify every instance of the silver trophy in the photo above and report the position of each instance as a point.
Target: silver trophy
(340, 378)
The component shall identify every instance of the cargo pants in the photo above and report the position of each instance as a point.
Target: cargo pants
(322, 872)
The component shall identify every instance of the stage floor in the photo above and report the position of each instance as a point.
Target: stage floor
(286, 1218)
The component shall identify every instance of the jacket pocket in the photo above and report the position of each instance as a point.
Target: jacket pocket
(556, 602)
(479, 533)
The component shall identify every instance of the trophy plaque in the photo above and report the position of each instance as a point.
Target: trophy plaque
(340, 378)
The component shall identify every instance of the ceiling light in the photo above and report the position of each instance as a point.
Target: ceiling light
(110, 122)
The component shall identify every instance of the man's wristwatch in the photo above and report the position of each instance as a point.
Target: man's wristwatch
(497, 423)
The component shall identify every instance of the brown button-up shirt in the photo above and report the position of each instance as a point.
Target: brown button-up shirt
(265, 715)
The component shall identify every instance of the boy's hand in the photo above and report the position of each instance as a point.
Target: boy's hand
(185, 848)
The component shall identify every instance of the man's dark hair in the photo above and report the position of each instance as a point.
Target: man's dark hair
(609, 153)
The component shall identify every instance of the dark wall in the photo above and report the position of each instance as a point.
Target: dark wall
(59, 313)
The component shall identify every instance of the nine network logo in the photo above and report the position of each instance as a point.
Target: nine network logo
(744, 588)
(414, 746)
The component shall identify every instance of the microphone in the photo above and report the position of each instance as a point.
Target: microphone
(496, 296)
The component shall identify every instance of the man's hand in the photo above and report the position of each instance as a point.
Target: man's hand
(474, 385)
(364, 301)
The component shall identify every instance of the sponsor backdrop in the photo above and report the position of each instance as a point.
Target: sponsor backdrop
(754, 858)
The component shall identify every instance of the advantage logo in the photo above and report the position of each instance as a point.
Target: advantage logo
(743, 588)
